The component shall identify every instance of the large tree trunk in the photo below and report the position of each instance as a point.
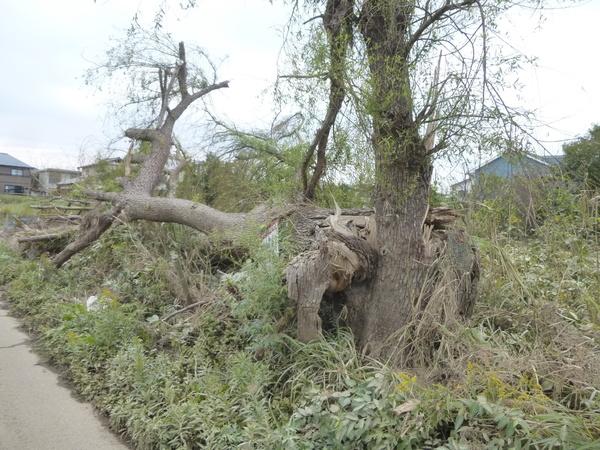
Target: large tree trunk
(341, 260)
(403, 169)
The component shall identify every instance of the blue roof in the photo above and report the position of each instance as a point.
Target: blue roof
(552, 159)
(7, 160)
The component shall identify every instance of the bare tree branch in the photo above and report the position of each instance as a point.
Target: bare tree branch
(430, 19)
(187, 100)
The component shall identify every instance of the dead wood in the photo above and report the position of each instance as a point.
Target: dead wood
(46, 237)
(91, 228)
(187, 308)
(136, 202)
(339, 256)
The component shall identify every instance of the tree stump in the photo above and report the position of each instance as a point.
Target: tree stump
(343, 258)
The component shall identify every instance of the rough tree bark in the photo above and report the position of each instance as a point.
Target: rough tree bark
(403, 170)
(403, 176)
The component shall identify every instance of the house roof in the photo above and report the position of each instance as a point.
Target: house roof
(108, 160)
(11, 161)
(460, 183)
(552, 159)
(539, 159)
(547, 160)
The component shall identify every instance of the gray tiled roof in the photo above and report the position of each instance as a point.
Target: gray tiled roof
(7, 160)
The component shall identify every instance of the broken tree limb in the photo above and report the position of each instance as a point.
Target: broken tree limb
(136, 200)
(91, 228)
(185, 212)
(307, 280)
(187, 308)
(46, 237)
(142, 134)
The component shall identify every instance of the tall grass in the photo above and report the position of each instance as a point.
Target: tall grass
(524, 372)
(15, 206)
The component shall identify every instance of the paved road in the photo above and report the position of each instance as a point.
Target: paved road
(36, 413)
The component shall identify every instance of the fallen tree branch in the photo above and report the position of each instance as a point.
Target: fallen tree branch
(58, 207)
(92, 227)
(46, 237)
(136, 201)
(187, 308)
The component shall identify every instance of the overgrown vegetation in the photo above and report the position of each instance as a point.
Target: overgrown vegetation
(523, 373)
(12, 206)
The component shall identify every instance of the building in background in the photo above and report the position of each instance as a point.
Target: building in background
(15, 175)
(91, 170)
(50, 180)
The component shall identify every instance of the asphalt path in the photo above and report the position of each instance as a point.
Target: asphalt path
(36, 411)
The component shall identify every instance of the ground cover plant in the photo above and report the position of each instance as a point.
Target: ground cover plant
(523, 372)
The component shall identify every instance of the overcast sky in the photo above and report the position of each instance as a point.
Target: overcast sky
(48, 117)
